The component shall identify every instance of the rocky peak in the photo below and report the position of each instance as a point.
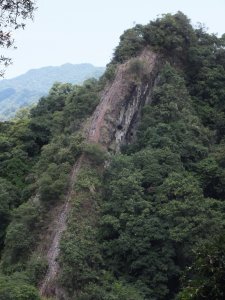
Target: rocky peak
(115, 119)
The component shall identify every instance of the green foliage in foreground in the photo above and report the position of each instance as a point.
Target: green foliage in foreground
(17, 289)
(205, 279)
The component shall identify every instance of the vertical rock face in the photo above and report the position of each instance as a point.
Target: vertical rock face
(129, 115)
(114, 120)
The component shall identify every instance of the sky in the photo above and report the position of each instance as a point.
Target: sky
(87, 31)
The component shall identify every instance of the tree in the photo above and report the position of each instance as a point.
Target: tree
(170, 34)
(16, 288)
(8, 199)
(205, 278)
(131, 42)
(12, 16)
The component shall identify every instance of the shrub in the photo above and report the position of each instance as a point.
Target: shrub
(95, 153)
(12, 289)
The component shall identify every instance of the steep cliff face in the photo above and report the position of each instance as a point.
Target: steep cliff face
(114, 120)
(112, 125)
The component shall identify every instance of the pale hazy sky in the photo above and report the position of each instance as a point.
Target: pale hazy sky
(88, 30)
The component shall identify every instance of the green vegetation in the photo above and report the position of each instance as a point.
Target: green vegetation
(146, 223)
(38, 150)
(17, 289)
(154, 210)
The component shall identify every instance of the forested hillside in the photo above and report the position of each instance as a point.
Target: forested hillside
(26, 89)
(115, 190)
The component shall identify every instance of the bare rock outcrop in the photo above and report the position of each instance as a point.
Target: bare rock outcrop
(48, 286)
(115, 119)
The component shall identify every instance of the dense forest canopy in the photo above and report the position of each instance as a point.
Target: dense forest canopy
(159, 228)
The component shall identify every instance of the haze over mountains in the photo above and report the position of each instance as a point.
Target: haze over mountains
(27, 88)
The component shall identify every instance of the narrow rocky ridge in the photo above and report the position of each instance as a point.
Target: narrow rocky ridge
(47, 285)
(110, 126)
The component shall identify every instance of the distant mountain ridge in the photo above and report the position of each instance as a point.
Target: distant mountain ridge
(27, 88)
